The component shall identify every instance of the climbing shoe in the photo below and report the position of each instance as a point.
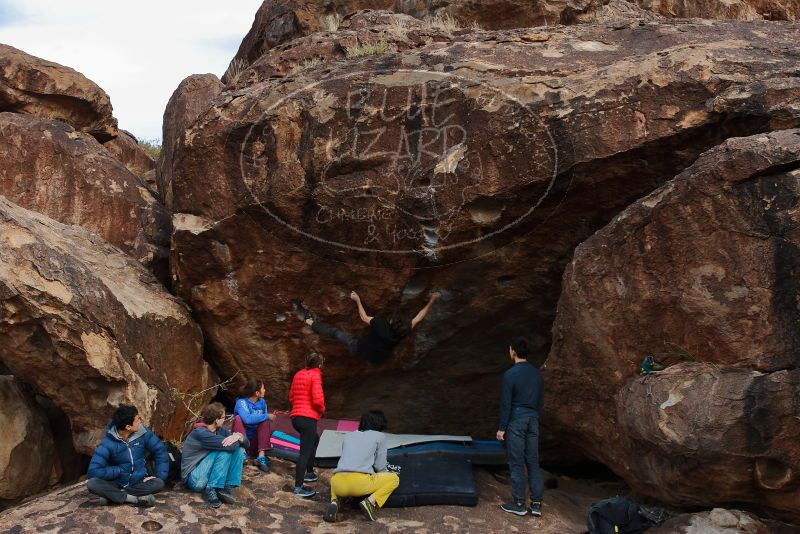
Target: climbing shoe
(369, 509)
(516, 508)
(331, 511)
(262, 463)
(210, 496)
(302, 491)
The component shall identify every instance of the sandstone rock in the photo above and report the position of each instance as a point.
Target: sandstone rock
(48, 167)
(125, 147)
(280, 21)
(266, 505)
(475, 164)
(90, 328)
(28, 460)
(716, 521)
(701, 271)
(48, 90)
(190, 99)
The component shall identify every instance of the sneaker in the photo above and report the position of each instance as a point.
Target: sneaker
(331, 511)
(535, 508)
(302, 491)
(517, 508)
(301, 311)
(369, 509)
(262, 463)
(210, 496)
(146, 501)
(226, 495)
(310, 477)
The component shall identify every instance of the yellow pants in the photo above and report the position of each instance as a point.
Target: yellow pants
(379, 485)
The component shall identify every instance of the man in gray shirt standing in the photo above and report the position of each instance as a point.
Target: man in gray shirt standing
(362, 468)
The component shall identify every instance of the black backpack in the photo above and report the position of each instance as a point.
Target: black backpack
(174, 473)
(617, 515)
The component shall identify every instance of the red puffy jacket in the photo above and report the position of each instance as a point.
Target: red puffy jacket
(306, 394)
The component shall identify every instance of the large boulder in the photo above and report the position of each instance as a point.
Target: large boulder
(279, 21)
(49, 167)
(474, 162)
(126, 148)
(28, 459)
(701, 273)
(45, 89)
(88, 327)
(192, 97)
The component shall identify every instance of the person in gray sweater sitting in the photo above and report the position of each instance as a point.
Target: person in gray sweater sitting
(362, 469)
(211, 460)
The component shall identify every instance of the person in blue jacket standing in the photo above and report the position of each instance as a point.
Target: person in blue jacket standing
(250, 417)
(520, 406)
(117, 471)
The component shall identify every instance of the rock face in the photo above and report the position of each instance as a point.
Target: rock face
(28, 459)
(279, 21)
(702, 273)
(192, 97)
(474, 162)
(90, 328)
(45, 89)
(125, 147)
(716, 521)
(47, 166)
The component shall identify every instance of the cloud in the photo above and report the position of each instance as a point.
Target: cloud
(138, 52)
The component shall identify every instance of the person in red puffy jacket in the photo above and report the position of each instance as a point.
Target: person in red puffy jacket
(308, 405)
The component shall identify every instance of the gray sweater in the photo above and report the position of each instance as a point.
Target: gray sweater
(202, 441)
(363, 452)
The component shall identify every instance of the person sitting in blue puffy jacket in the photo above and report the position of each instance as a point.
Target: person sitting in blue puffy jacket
(117, 471)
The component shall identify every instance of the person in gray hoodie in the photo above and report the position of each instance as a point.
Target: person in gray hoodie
(211, 459)
(362, 470)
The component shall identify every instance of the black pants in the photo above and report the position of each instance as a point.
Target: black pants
(345, 338)
(115, 494)
(307, 428)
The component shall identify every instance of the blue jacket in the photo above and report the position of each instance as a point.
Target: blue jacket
(252, 413)
(124, 463)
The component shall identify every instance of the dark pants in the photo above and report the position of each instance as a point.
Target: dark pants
(307, 428)
(522, 442)
(117, 495)
(345, 338)
(259, 441)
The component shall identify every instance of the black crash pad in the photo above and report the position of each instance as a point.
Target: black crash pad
(427, 479)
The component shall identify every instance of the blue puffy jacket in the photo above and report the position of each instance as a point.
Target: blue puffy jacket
(124, 463)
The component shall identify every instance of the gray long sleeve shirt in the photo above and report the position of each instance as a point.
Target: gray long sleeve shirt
(202, 441)
(363, 452)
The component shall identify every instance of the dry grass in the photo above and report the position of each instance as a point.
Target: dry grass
(308, 64)
(330, 23)
(359, 50)
(398, 27)
(448, 23)
(235, 70)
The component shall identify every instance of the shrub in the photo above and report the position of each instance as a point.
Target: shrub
(358, 50)
(151, 146)
(331, 23)
(235, 70)
(308, 64)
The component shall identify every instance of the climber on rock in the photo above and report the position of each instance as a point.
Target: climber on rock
(383, 335)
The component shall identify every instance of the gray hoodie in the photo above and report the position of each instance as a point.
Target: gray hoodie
(202, 441)
(363, 452)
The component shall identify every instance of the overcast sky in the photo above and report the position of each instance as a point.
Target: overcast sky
(138, 52)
